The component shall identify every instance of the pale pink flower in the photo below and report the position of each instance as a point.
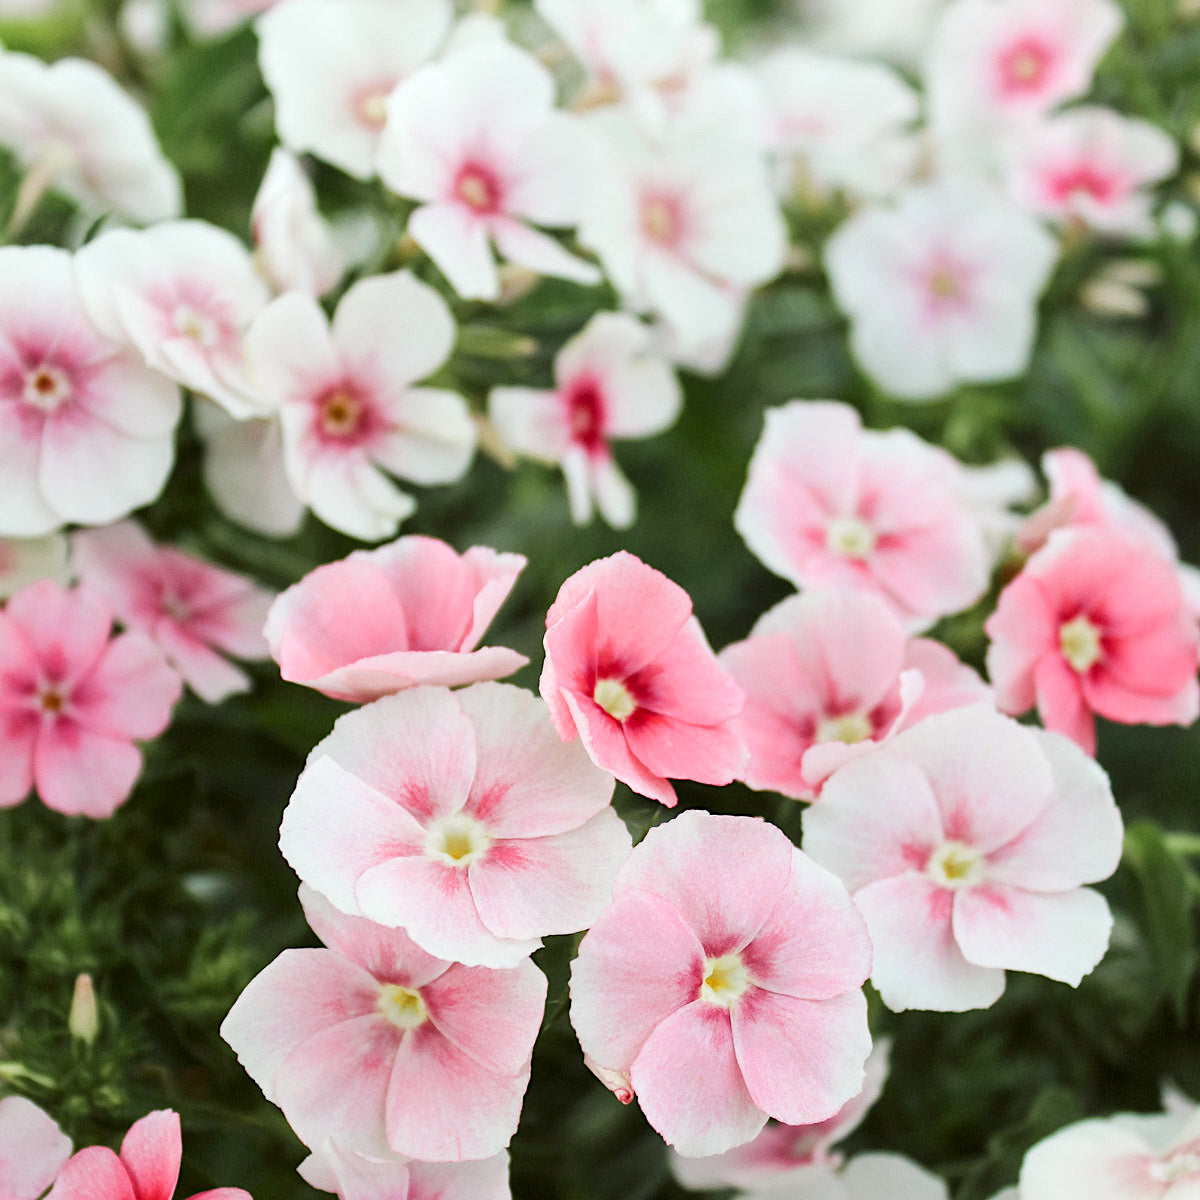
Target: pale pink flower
(476, 139)
(72, 128)
(897, 30)
(966, 842)
(383, 1049)
(87, 433)
(725, 978)
(188, 607)
(26, 560)
(362, 1177)
(32, 1149)
(331, 66)
(296, 250)
(829, 674)
(212, 18)
(1096, 623)
(683, 225)
(72, 702)
(383, 620)
(345, 393)
(865, 1177)
(829, 504)
(608, 385)
(941, 287)
(183, 293)
(460, 818)
(628, 670)
(147, 1168)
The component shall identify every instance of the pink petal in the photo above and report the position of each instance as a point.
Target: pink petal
(78, 772)
(496, 575)
(1022, 632)
(66, 628)
(1097, 1159)
(151, 1153)
(93, 1174)
(1061, 704)
(484, 1180)
(458, 245)
(18, 734)
(385, 674)
(210, 676)
(223, 1194)
(32, 1149)
(673, 748)
(541, 253)
(687, 682)
(129, 692)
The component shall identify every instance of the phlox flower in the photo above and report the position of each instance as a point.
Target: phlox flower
(829, 674)
(383, 1049)
(608, 385)
(361, 1177)
(183, 294)
(865, 1177)
(32, 1149)
(212, 18)
(296, 249)
(966, 841)
(629, 671)
(941, 287)
(1092, 166)
(147, 1168)
(476, 139)
(459, 817)
(188, 607)
(331, 66)
(1095, 623)
(344, 391)
(725, 979)
(829, 504)
(72, 702)
(897, 30)
(72, 128)
(26, 560)
(87, 433)
(383, 620)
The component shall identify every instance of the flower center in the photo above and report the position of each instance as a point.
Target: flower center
(478, 188)
(1025, 65)
(1178, 1166)
(850, 728)
(955, 865)
(1081, 644)
(850, 536)
(586, 405)
(46, 388)
(725, 980)
(457, 840)
(402, 1006)
(175, 607)
(662, 219)
(371, 106)
(198, 326)
(342, 413)
(615, 698)
(51, 700)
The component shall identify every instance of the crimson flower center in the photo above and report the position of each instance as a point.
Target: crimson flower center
(662, 218)
(478, 188)
(1083, 180)
(342, 413)
(46, 388)
(1025, 65)
(51, 700)
(585, 403)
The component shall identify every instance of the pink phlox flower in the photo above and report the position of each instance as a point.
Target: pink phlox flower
(331, 66)
(73, 702)
(384, 620)
(72, 128)
(183, 293)
(385, 1050)
(1096, 623)
(32, 1149)
(829, 504)
(86, 432)
(476, 139)
(213, 18)
(147, 1168)
(864, 1177)
(608, 385)
(188, 607)
(941, 287)
(460, 818)
(828, 675)
(26, 560)
(362, 1177)
(345, 393)
(725, 978)
(966, 842)
(629, 670)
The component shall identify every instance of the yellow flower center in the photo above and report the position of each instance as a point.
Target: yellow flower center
(614, 697)
(955, 865)
(725, 980)
(457, 840)
(850, 536)
(402, 1006)
(850, 728)
(1081, 644)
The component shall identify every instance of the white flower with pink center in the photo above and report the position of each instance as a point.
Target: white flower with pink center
(26, 560)
(344, 391)
(477, 141)
(608, 385)
(684, 226)
(460, 818)
(941, 288)
(966, 842)
(1092, 166)
(183, 293)
(865, 1177)
(72, 128)
(366, 1177)
(87, 433)
(829, 504)
(331, 67)
(32, 1149)
(212, 18)
(897, 30)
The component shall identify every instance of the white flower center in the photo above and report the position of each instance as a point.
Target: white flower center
(1178, 1166)
(46, 388)
(457, 840)
(615, 698)
(370, 107)
(402, 1006)
(850, 536)
(191, 323)
(850, 728)
(725, 980)
(956, 865)
(1081, 644)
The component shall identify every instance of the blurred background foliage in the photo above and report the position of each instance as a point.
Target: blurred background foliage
(175, 903)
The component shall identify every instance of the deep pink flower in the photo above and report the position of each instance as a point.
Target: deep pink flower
(393, 618)
(72, 702)
(629, 671)
(725, 979)
(32, 1149)
(384, 1049)
(363, 1177)
(1096, 623)
(188, 607)
(147, 1169)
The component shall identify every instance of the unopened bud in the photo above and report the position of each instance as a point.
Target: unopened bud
(1111, 299)
(84, 1021)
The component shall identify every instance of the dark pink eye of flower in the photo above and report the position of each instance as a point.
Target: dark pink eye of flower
(585, 402)
(478, 188)
(1025, 66)
(1083, 180)
(46, 387)
(342, 414)
(662, 218)
(369, 104)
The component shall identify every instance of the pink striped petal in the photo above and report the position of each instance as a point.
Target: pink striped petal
(151, 1153)
(672, 748)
